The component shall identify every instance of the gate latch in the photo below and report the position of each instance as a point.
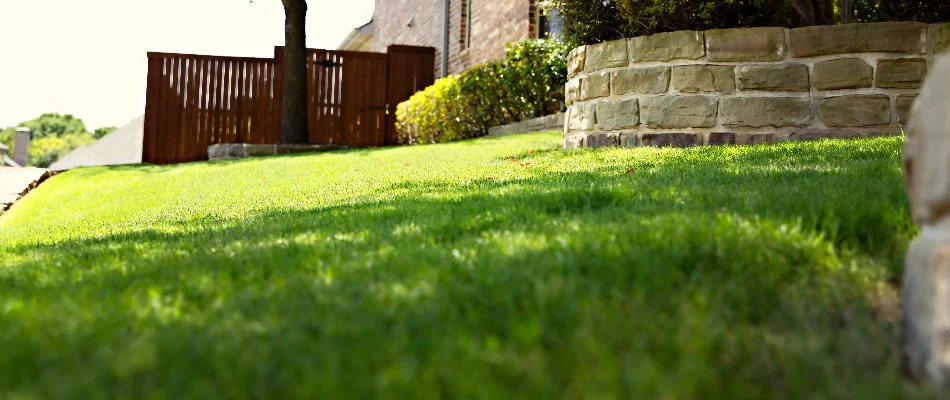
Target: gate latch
(327, 63)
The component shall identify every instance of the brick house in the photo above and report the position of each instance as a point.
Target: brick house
(465, 33)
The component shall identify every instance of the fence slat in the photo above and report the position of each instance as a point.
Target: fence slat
(193, 101)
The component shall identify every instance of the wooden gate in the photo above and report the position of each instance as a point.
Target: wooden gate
(194, 101)
(347, 97)
(410, 70)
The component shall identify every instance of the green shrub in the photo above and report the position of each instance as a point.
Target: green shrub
(589, 21)
(529, 83)
(929, 11)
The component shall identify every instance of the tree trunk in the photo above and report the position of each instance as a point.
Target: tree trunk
(294, 115)
(816, 12)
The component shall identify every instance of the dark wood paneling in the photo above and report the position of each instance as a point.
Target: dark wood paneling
(194, 101)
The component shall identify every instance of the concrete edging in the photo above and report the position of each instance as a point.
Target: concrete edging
(547, 122)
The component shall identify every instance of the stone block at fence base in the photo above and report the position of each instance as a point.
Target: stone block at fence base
(227, 151)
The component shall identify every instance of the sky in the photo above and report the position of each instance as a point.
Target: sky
(88, 57)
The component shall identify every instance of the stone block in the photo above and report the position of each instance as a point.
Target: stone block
(575, 61)
(904, 105)
(575, 141)
(219, 151)
(257, 150)
(746, 44)
(680, 45)
(572, 91)
(508, 129)
(536, 124)
(754, 138)
(907, 73)
(721, 138)
(620, 114)
(641, 80)
(857, 110)
(312, 148)
(845, 73)
(629, 139)
(940, 37)
(704, 78)
(809, 135)
(765, 111)
(776, 78)
(557, 121)
(884, 37)
(669, 139)
(582, 117)
(679, 111)
(595, 85)
(602, 139)
(500, 130)
(606, 55)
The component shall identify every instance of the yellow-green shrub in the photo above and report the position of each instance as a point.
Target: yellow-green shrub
(529, 83)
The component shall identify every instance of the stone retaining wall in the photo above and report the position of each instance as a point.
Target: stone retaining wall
(748, 85)
(547, 122)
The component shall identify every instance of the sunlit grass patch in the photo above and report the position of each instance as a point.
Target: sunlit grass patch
(492, 268)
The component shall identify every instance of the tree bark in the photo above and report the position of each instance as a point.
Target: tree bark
(815, 12)
(294, 115)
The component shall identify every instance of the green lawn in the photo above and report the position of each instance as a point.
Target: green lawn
(493, 268)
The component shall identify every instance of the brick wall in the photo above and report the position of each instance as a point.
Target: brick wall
(494, 23)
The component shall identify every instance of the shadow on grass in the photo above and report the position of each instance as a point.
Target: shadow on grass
(668, 282)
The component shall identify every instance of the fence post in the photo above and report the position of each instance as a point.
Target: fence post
(21, 151)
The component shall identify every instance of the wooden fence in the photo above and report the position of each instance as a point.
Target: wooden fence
(194, 101)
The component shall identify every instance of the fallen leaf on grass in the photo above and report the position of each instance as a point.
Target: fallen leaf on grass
(631, 171)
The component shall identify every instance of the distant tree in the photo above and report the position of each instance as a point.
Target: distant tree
(294, 116)
(54, 135)
(99, 133)
(52, 124)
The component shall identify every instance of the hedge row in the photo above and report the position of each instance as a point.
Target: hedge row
(598, 21)
(528, 83)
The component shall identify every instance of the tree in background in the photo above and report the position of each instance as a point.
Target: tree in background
(52, 124)
(588, 21)
(54, 135)
(294, 115)
(99, 133)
